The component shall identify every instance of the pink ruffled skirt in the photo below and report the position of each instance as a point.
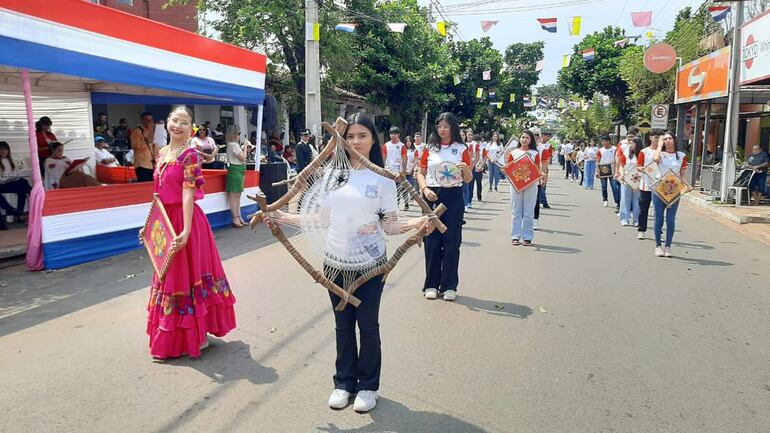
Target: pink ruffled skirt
(194, 298)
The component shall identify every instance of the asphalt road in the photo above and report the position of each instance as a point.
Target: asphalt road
(586, 331)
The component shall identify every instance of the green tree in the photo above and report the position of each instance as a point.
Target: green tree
(600, 75)
(579, 124)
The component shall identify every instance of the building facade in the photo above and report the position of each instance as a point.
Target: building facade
(180, 16)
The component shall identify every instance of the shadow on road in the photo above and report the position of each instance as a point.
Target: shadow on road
(470, 244)
(475, 229)
(693, 246)
(495, 308)
(228, 361)
(555, 249)
(560, 232)
(392, 417)
(702, 262)
(477, 219)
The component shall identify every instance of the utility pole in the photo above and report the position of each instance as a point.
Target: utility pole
(312, 72)
(733, 107)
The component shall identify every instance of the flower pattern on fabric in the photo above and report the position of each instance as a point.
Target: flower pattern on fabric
(158, 239)
(185, 304)
(193, 175)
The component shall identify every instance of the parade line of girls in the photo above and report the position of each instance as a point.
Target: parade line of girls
(632, 202)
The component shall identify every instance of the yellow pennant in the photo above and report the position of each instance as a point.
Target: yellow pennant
(499, 105)
(574, 28)
(479, 92)
(441, 28)
(512, 98)
(566, 60)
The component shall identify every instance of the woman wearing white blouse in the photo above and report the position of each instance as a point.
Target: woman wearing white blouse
(668, 157)
(236, 171)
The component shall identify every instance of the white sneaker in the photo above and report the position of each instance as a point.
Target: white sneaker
(658, 252)
(339, 399)
(430, 294)
(605, 204)
(535, 225)
(365, 401)
(470, 205)
(624, 223)
(667, 252)
(640, 235)
(450, 295)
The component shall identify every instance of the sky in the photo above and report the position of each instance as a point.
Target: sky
(522, 26)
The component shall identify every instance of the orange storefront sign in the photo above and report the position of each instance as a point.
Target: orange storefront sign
(705, 78)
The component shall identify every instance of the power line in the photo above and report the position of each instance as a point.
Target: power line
(521, 8)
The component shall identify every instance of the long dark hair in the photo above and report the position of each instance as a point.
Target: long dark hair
(676, 143)
(45, 120)
(4, 145)
(532, 145)
(454, 126)
(375, 154)
(637, 147)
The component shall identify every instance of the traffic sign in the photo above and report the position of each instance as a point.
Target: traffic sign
(659, 116)
(644, 127)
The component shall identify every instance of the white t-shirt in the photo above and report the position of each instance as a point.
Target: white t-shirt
(454, 153)
(607, 156)
(101, 154)
(203, 144)
(233, 149)
(356, 233)
(394, 154)
(494, 151)
(646, 156)
(412, 158)
(672, 161)
(567, 149)
(590, 153)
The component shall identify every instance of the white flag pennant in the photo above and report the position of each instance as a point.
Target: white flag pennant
(397, 27)
(486, 25)
(487, 75)
(540, 65)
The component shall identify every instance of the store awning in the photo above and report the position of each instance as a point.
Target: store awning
(82, 39)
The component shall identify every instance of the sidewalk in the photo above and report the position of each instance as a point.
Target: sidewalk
(739, 215)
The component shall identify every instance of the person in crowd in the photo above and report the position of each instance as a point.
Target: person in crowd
(523, 203)
(589, 167)
(102, 127)
(394, 152)
(73, 176)
(606, 155)
(545, 150)
(418, 143)
(236, 171)
(45, 137)
(644, 157)
(205, 146)
(290, 156)
(581, 158)
(306, 151)
(758, 161)
(102, 153)
(11, 183)
(55, 166)
(272, 153)
(494, 151)
(629, 196)
(218, 134)
(480, 157)
(466, 192)
(471, 144)
(121, 133)
(412, 160)
(633, 133)
(567, 149)
(194, 298)
(575, 174)
(144, 147)
(668, 157)
(560, 154)
(442, 250)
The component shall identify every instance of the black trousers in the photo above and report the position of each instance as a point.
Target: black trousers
(143, 174)
(569, 168)
(21, 188)
(645, 198)
(442, 250)
(478, 176)
(537, 202)
(358, 369)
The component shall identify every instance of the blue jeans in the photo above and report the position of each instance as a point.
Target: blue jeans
(575, 171)
(590, 172)
(467, 196)
(494, 175)
(615, 185)
(523, 213)
(629, 204)
(542, 197)
(670, 214)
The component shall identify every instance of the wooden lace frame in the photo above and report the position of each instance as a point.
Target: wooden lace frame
(300, 184)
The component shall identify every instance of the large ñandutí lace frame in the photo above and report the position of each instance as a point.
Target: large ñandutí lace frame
(339, 232)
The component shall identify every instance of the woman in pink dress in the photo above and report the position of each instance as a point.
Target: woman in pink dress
(194, 299)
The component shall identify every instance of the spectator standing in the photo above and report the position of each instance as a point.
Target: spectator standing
(102, 128)
(758, 161)
(236, 171)
(144, 147)
(306, 151)
(205, 146)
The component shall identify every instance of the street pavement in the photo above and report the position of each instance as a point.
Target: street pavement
(586, 331)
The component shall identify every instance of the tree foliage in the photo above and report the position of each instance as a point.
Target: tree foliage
(600, 75)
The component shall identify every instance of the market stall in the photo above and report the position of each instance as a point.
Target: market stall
(65, 53)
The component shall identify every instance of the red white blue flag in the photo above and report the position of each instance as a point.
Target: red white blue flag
(719, 12)
(548, 24)
(589, 54)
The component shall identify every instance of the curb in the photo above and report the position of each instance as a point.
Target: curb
(724, 212)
